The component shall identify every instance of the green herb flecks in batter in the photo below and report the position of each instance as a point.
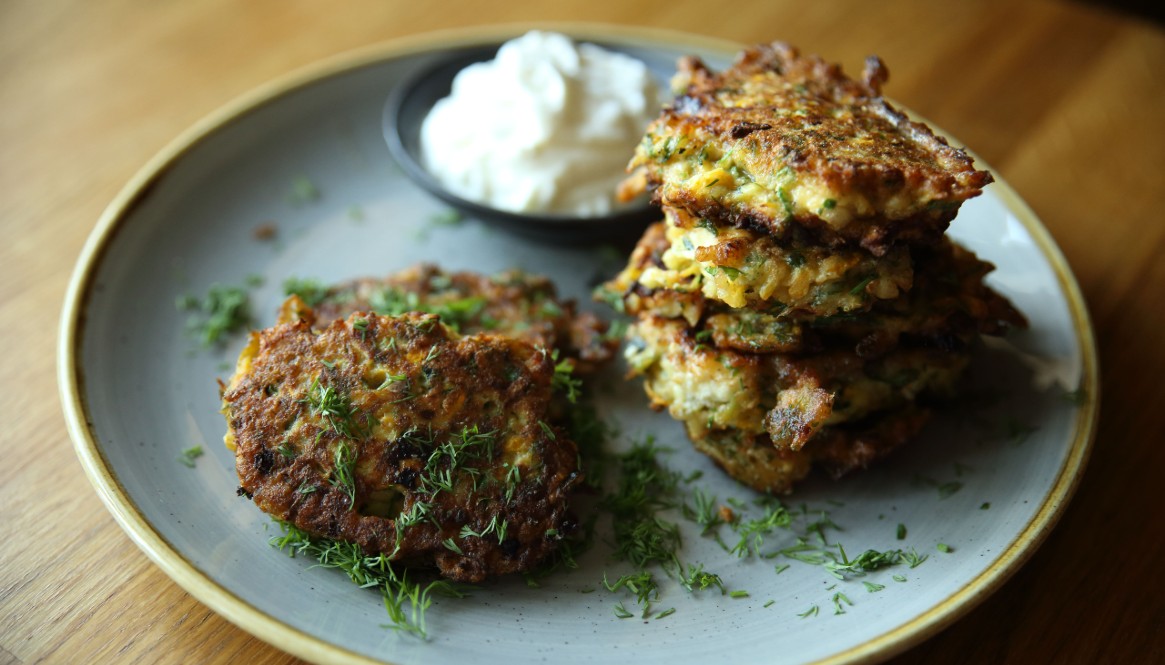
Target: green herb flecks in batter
(335, 408)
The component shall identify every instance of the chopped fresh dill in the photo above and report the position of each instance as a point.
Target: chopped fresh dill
(564, 379)
(622, 612)
(899, 578)
(838, 599)
(811, 612)
(311, 291)
(666, 613)
(985, 506)
(642, 584)
(944, 548)
(406, 598)
(704, 511)
(286, 450)
(189, 455)
(697, 578)
(769, 603)
(343, 471)
(739, 593)
(901, 531)
(495, 526)
(303, 191)
(453, 313)
(335, 408)
(752, 532)
(1018, 432)
(447, 217)
(873, 588)
(913, 558)
(947, 489)
(866, 562)
(224, 310)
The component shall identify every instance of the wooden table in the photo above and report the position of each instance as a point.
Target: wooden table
(1064, 101)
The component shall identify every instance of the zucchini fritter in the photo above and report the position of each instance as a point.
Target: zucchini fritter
(743, 268)
(781, 139)
(511, 303)
(946, 307)
(753, 459)
(791, 397)
(400, 435)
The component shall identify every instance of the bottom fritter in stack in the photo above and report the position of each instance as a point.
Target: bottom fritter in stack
(800, 304)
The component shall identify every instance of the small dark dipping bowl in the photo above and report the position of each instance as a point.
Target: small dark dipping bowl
(407, 106)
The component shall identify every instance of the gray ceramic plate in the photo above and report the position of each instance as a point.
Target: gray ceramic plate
(305, 156)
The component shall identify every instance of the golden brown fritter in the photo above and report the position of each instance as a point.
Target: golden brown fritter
(752, 458)
(780, 140)
(791, 397)
(946, 307)
(743, 268)
(511, 303)
(402, 436)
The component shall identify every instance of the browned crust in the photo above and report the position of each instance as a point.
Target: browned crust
(948, 305)
(752, 459)
(447, 387)
(788, 111)
(511, 303)
(841, 450)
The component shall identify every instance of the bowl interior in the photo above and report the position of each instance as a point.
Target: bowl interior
(404, 113)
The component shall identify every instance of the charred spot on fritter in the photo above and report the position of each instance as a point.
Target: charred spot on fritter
(400, 435)
(780, 139)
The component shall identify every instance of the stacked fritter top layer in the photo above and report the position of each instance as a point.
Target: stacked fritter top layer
(800, 303)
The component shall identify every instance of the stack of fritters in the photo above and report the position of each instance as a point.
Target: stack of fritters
(800, 304)
(365, 420)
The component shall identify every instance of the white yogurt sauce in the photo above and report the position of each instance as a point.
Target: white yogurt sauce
(548, 126)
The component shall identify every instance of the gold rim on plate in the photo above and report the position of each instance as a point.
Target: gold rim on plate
(303, 645)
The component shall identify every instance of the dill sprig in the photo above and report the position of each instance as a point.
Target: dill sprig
(642, 584)
(343, 471)
(406, 598)
(564, 379)
(335, 407)
(311, 291)
(454, 313)
(224, 310)
(189, 455)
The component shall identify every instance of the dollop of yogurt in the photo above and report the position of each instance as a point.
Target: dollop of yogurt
(548, 126)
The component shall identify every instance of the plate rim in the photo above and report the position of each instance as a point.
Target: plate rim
(294, 641)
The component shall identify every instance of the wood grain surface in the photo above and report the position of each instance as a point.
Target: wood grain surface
(1065, 101)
